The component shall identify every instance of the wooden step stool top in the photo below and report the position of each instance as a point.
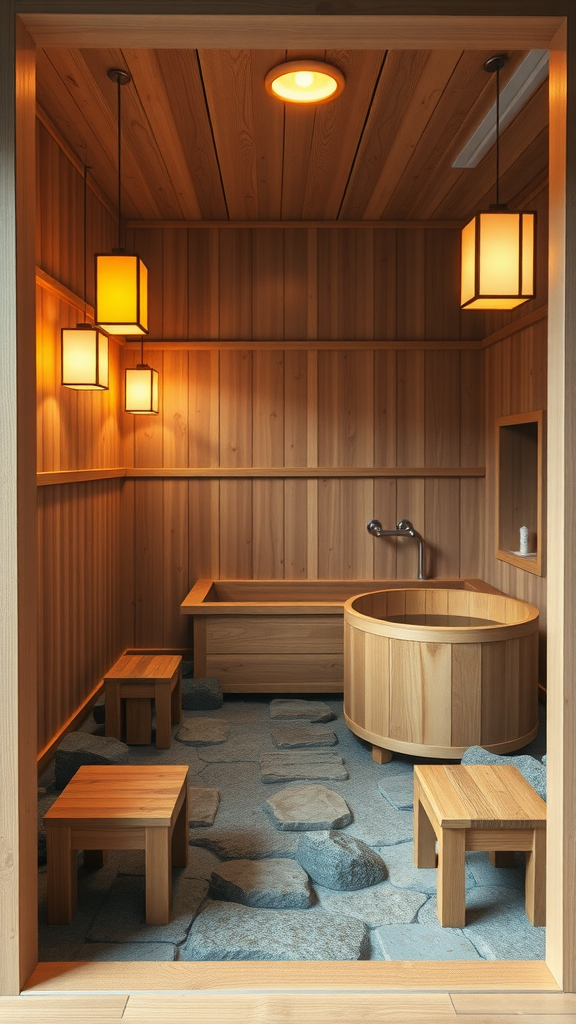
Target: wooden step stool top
(144, 666)
(110, 796)
(481, 796)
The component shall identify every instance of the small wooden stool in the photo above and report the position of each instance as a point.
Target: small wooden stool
(129, 807)
(478, 807)
(137, 679)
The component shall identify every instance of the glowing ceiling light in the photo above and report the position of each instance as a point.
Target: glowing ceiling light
(304, 81)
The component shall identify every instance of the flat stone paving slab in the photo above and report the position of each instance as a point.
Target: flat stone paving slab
(121, 917)
(376, 906)
(398, 791)
(113, 951)
(202, 806)
(310, 710)
(203, 694)
(203, 732)
(496, 924)
(289, 767)
(339, 861)
(293, 736)
(413, 942)
(230, 931)
(304, 808)
(275, 883)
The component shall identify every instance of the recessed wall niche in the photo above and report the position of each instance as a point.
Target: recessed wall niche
(519, 490)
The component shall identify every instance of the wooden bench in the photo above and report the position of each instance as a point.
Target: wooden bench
(138, 679)
(478, 807)
(129, 807)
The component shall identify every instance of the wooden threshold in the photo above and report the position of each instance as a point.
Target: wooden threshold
(293, 977)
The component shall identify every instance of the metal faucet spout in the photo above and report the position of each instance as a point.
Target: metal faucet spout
(403, 529)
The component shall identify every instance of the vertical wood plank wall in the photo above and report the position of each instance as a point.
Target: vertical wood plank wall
(347, 408)
(80, 558)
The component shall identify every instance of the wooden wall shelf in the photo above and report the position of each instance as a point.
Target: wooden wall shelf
(519, 489)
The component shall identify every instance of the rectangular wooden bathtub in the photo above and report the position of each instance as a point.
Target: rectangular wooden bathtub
(283, 636)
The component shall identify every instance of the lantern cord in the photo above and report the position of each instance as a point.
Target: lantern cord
(84, 222)
(497, 136)
(119, 88)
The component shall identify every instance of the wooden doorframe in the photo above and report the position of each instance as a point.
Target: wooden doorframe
(472, 23)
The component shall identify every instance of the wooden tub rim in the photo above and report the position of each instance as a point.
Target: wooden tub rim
(441, 634)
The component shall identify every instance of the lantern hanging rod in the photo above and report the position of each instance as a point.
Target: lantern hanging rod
(495, 64)
(121, 77)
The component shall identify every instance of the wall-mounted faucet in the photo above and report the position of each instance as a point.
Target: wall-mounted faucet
(403, 529)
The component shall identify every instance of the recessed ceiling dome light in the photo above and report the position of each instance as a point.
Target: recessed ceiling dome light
(304, 81)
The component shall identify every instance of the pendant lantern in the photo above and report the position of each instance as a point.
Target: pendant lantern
(84, 348)
(121, 277)
(141, 388)
(497, 270)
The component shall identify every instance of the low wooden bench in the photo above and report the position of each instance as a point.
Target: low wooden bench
(138, 679)
(125, 807)
(478, 807)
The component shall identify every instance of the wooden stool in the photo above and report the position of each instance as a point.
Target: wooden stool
(137, 679)
(478, 807)
(118, 808)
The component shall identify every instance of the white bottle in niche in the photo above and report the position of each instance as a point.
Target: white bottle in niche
(523, 540)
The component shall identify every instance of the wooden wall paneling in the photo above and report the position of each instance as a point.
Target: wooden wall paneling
(472, 411)
(149, 561)
(411, 387)
(385, 549)
(356, 283)
(268, 450)
(204, 409)
(442, 289)
(385, 283)
(327, 284)
(236, 408)
(410, 497)
(300, 519)
(345, 548)
(411, 284)
(246, 121)
(148, 245)
(236, 525)
(202, 284)
(442, 409)
(267, 284)
(345, 408)
(442, 526)
(385, 398)
(297, 293)
(235, 284)
(313, 486)
(204, 530)
(175, 277)
(176, 581)
(127, 590)
(175, 414)
(473, 528)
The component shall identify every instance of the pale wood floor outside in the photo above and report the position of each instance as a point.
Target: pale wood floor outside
(295, 1008)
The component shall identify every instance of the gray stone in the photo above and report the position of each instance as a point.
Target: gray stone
(279, 884)
(122, 918)
(495, 923)
(294, 736)
(398, 791)
(310, 710)
(201, 863)
(304, 808)
(403, 874)
(133, 951)
(203, 694)
(202, 806)
(413, 942)
(483, 872)
(98, 711)
(203, 732)
(187, 669)
(339, 861)
(381, 904)
(230, 931)
(288, 767)
(533, 771)
(80, 748)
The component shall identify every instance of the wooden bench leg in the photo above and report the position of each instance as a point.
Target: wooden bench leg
(138, 720)
(502, 858)
(176, 700)
(451, 901)
(112, 710)
(163, 716)
(62, 875)
(158, 869)
(180, 838)
(380, 755)
(424, 835)
(536, 879)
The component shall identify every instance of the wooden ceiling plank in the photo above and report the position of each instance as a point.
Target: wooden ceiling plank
(73, 98)
(185, 92)
(475, 183)
(426, 91)
(337, 130)
(298, 133)
(248, 129)
(402, 69)
(142, 158)
(149, 84)
(471, 84)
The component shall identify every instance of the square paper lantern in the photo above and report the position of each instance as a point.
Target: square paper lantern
(498, 260)
(84, 358)
(141, 390)
(121, 293)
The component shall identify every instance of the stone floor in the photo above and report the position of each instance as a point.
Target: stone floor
(394, 919)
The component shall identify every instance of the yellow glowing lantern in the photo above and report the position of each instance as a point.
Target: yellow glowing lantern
(141, 390)
(84, 358)
(121, 293)
(304, 81)
(498, 260)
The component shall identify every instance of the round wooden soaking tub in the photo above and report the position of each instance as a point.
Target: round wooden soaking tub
(432, 672)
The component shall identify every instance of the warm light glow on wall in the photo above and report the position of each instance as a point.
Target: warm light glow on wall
(141, 390)
(121, 293)
(304, 81)
(84, 358)
(498, 260)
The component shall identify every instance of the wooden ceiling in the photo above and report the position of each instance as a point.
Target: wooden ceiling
(202, 140)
